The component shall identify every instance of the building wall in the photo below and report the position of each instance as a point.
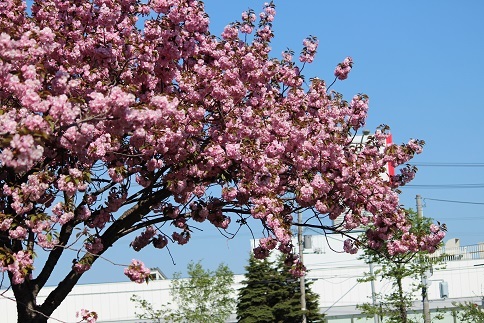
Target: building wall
(111, 301)
(334, 277)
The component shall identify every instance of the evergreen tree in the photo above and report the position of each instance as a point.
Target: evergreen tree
(287, 309)
(256, 298)
(272, 294)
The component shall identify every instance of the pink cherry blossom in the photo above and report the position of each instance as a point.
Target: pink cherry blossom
(94, 245)
(298, 269)
(160, 242)
(87, 316)
(81, 267)
(309, 50)
(181, 238)
(343, 69)
(349, 246)
(137, 271)
(144, 239)
(20, 265)
(269, 243)
(261, 252)
(19, 233)
(131, 116)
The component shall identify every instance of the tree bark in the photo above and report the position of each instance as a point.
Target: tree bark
(28, 311)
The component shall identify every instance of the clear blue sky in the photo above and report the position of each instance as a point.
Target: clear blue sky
(421, 63)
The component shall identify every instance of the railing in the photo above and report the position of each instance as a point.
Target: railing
(461, 253)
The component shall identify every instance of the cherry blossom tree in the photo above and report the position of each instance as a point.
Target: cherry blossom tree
(112, 128)
(402, 266)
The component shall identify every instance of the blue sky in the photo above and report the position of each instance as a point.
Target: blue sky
(422, 65)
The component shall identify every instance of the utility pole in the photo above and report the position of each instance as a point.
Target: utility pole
(376, 318)
(425, 299)
(302, 282)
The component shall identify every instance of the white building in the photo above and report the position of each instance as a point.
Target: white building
(334, 277)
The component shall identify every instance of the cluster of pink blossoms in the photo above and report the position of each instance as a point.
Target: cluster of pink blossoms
(267, 16)
(59, 214)
(22, 154)
(343, 69)
(144, 239)
(350, 247)
(431, 241)
(137, 271)
(94, 246)
(298, 269)
(72, 183)
(160, 241)
(111, 127)
(181, 238)
(88, 316)
(20, 265)
(309, 50)
(80, 267)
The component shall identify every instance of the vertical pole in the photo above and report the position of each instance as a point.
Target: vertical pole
(373, 296)
(302, 282)
(425, 299)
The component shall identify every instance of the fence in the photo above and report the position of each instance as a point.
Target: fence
(461, 253)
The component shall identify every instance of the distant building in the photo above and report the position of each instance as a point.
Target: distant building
(334, 277)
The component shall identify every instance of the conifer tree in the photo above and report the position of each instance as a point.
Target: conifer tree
(288, 306)
(272, 294)
(256, 297)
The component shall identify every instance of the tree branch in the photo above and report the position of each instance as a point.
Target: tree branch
(111, 235)
(53, 258)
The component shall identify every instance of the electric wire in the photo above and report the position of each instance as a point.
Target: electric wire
(341, 297)
(452, 201)
(437, 164)
(444, 186)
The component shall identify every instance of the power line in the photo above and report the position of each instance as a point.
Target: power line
(341, 297)
(453, 201)
(431, 164)
(444, 186)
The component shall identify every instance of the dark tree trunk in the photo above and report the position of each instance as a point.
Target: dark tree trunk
(27, 309)
(29, 317)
